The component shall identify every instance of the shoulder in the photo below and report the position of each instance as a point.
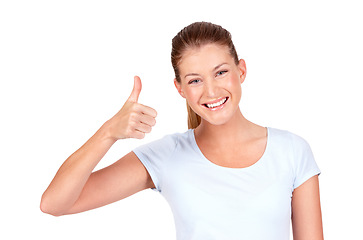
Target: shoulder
(164, 145)
(294, 146)
(287, 138)
(291, 145)
(171, 139)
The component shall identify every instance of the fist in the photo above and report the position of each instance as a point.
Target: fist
(134, 120)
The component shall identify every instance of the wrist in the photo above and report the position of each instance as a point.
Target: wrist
(105, 133)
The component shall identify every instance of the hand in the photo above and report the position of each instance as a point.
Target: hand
(134, 120)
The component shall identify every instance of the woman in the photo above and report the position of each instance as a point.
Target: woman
(225, 178)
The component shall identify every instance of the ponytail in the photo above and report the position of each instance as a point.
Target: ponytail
(193, 118)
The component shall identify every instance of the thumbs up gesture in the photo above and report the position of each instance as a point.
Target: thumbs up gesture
(134, 120)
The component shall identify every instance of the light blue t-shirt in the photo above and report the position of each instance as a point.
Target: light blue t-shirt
(209, 201)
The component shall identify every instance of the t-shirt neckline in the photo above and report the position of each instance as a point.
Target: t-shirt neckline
(254, 165)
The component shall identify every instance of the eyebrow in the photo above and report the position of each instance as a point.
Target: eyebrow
(196, 74)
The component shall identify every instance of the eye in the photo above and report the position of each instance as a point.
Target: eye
(221, 73)
(194, 81)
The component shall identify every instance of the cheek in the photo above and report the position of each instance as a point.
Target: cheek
(192, 95)
(234, 83)
(235, 86)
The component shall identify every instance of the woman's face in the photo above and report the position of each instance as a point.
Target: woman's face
(211, 82)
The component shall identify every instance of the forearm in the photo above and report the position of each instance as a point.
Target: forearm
(67, 185)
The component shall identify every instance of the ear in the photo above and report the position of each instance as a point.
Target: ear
(243, 70)
(179, 88)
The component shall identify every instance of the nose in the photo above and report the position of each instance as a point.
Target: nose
(210, 88)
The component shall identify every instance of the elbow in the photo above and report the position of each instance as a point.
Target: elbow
(50, 212)
(48, 208)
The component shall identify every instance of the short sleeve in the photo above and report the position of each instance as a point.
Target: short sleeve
(305, 166)
(154, 156)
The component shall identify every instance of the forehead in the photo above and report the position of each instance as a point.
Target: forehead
(204, 58)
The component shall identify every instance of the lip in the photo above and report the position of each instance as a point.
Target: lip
(215, 101)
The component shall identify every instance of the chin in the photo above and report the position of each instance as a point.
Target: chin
(220, 119)
(217, 121)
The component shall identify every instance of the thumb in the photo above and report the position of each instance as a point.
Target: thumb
(136, 90)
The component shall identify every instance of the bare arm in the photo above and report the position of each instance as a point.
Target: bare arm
(306, 211)
(75, 188)
(115, 182)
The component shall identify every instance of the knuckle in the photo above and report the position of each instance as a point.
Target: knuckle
(135, 107)
(128, 132)
(133, 115)
(133, 118)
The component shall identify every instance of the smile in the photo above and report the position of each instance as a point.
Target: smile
(216, 104)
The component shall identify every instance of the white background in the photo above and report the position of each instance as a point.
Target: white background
(68, 66)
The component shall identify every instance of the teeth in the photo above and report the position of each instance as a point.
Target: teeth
(213, 105)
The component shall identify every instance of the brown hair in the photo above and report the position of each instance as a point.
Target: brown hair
(194, 36)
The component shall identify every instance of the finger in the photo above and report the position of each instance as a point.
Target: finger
(146, 119)
(136, 90)
(144, 128)
(147, 110)
(138, 135)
